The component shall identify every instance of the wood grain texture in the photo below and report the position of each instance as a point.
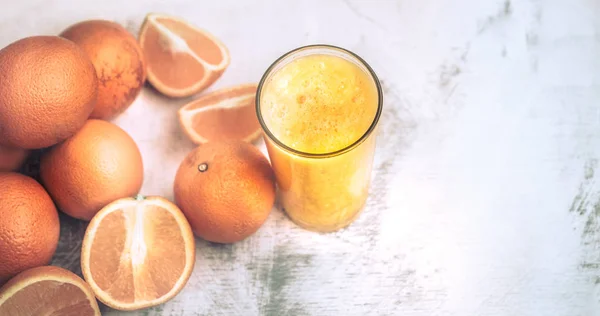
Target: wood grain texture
(485, 195)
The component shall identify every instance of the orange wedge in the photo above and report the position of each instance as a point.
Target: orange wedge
(225, 114)
(137, 253)
(182, 59)
(47, 290)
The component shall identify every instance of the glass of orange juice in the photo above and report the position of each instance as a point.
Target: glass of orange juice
(319, 106)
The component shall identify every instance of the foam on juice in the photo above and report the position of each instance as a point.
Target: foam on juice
(319, 103)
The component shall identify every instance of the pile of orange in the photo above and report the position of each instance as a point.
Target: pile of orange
(58, 95)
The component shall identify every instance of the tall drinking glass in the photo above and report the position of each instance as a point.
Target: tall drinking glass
(319, 106)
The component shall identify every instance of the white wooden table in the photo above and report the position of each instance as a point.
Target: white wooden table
(486, 191)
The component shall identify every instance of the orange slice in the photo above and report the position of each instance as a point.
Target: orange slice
(137, 253)
(182, 59)
(225, 114)
(47, 290)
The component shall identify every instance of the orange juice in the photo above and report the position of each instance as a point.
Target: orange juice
(319, 106)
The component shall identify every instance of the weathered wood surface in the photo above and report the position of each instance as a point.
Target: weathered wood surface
(485, 195)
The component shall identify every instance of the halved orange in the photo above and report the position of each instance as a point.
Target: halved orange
(182, 59)
(47, 290)
(225, 114)
(138, 253)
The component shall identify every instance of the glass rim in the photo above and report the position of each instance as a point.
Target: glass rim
(353, 145)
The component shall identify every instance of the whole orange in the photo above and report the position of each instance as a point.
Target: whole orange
(48, 90)
(29, 227)
(226, 190)
(118, 60)
(98, 165)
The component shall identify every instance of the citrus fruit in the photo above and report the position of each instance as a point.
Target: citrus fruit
(138, 253)
(99, 164)
(12, 158)
(225, 114)
(118, 60)
(29, 227)
(48, 291)
(182, 59)
(48, 91)
(226, 190)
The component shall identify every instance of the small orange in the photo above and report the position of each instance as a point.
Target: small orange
(29, 227)
(182, 59)
(138, 253)
(47, 290)
(48, 90)
(99, 164)
(225, 114)
(226, 190)
(118, 60)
